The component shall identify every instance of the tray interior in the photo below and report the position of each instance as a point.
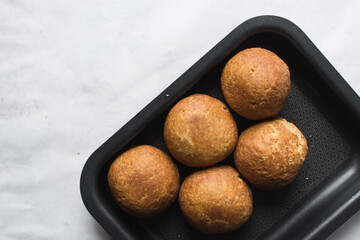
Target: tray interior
(311, 106)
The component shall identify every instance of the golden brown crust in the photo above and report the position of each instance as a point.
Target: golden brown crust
(144, 181)
(200, 131)
(270, 154)
(215, 200)
(256, 83)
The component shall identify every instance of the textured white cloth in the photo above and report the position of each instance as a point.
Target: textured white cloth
(74, 72)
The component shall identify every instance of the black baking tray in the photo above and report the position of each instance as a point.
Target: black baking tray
(321, 104)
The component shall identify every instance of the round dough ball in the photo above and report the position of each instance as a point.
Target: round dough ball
(200, 131)
(215, 200)
(256, 83)
(270, 154)
(144, 181)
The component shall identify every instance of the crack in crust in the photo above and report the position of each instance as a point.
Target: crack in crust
(270, 154)
(256, 83)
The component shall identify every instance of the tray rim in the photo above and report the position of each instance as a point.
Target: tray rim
(269, 23)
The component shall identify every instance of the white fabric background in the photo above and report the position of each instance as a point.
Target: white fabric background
(74, 72)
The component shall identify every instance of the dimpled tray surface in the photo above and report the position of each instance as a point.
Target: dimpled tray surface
(321, 104)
